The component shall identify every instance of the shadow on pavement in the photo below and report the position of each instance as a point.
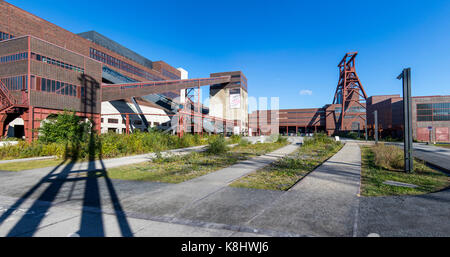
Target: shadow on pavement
(91, 223)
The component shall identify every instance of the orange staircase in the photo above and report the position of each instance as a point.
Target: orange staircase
(10, 107)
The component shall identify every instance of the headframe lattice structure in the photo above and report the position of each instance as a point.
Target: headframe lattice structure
(349, 92)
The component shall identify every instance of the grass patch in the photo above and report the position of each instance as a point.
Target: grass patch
(284, 173)
(27, 165)
(176, 169)
(374, 173)
(443, 145)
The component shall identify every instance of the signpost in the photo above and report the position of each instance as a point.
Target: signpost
(407, 114)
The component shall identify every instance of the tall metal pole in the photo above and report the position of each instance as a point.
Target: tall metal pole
(407, 114)
(375, 113)
(365, 126)
(359, 131)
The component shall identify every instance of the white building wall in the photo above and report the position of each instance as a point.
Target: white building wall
(125, 107)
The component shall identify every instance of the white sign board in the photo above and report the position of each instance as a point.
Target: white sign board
(236, 130)
(235, 101)
(182, 96)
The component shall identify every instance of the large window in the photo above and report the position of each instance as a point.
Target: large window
(57, 87)
(58, 63)
(433, 112)
(15, 83)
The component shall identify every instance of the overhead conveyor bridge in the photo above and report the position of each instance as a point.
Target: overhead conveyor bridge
(112, 92)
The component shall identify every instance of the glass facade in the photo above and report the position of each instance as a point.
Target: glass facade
(104, 58)
(433, 112)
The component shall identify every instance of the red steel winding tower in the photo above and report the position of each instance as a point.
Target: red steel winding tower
(350, 95)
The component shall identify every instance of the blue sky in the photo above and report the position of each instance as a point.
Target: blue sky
(287, 49)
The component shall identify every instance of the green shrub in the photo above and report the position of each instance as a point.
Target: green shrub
(107, 145)
(217, 146)
(66, 127)
(235, 139)
(281, 140)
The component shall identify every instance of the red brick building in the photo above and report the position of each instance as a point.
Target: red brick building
(431, 118)
(45, 69)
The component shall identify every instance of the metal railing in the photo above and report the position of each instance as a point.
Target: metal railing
(7, 99)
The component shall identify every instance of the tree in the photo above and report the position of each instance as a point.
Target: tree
(66, 127)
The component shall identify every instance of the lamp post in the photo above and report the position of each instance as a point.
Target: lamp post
(407, 118)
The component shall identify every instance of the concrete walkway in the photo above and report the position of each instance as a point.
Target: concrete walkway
(394, 216)
(62, 202)
(324, 203)
(169, 202)
(28, 159)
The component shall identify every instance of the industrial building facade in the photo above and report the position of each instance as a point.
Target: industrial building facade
(353, 110)
(45, 69)
(430, 119)
(430, 116)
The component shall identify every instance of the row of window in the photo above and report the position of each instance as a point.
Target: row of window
(57, 87)
(43, 84)
(354, 116)
(51, 61)
(16, 83)
(13, 57)
(357, 109)
(105, 58)
(303, 112)
(353, 109)
(433, 118)
(302, 118)
(433, 106)
(290, 122)
(135, 122)
(4, 36)
(169, 74)
(433, 112)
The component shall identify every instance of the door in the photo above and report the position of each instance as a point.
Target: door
(442, 134)
(423, 134)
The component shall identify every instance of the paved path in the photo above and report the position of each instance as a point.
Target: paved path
(438, 156)
(392, 216)
(324, 203)
(82, 204)
(28, 159)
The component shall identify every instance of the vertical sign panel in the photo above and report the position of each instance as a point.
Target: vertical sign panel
(235, 98)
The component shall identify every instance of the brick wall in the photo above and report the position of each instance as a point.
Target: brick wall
(18, 22)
